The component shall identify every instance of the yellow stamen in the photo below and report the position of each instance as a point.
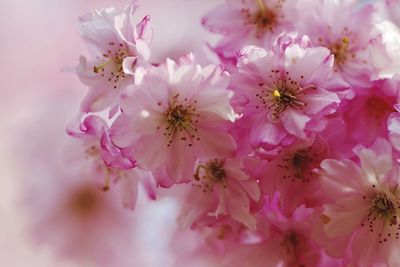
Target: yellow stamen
(261, 5)
(345, 40)
(276, 93)
(96, 69)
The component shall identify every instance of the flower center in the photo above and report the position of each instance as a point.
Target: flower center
(208, 175)
(217, 171)
(180, 120)
(299, 165)
(281, 94)
(382, 206)
(178, 117)
(382, 217)
(301, 162)
(264, 19)
(112, 66)
(340, 50)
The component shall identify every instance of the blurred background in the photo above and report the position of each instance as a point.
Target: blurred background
(39, 38)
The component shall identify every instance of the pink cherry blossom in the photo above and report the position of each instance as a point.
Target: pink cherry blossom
(249, 22)
(285, 155)
(289, 92)
(220, 188)
(349, 38)
(79, 222)
(386, 54)
(293, 174)
(370, 110)
(118, 48)
(285, 241)
(108, 162)
(361, 220)
(180, 112)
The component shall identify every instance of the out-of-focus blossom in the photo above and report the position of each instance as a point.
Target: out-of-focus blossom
(293, 174)
(177, 114)
(389, 10)
(285, 241)
(249, 22)
(361, 223)
(386, 55)
(118, 49)
(77, 219)
(220, 188)
(108, 162)
(370, 110)
(348, 31)
(289, 92)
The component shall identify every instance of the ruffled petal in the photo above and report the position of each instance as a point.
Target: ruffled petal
(295, 122)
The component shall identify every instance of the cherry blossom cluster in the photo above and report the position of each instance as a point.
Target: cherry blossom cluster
(286, 150)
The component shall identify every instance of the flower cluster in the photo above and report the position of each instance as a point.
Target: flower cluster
(287, 152)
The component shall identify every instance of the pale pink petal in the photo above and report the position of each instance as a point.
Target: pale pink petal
(151, 151)
(180, 161)
(342, 175)
(214, 21)
(320, 100)
(238, 206)
(294, 122)
(267, 133)
(214, 143)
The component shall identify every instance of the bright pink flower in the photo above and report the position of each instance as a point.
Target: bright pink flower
(249, 22)
(349, 38)
(283, 242)
(289, 92)
(177, 114)
(118, 48)
(370, 110)
(363, 214)
(220, 188)
(293, 174)
(108, 162)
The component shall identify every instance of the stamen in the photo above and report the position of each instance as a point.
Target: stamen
(382, 217)
(299, 165)
(276, 94)
(113, 58)
(264, 18)
(262, 7)
(97, 69)
(209, 174)
(182, 119)
(340, 50)
(281, 94)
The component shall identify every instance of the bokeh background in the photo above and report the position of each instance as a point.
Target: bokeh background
(39, 38)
